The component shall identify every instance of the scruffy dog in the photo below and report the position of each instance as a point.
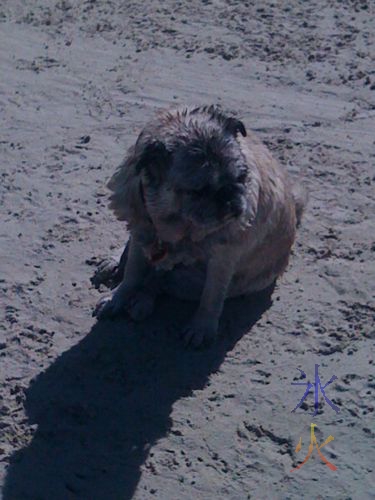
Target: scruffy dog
(210, 212)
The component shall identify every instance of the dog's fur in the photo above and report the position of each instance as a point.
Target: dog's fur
(210, 212)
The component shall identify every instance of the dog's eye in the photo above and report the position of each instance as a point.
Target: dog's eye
(203, 191)
(172, 218)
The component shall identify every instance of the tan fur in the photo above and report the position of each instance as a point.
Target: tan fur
(222, 258)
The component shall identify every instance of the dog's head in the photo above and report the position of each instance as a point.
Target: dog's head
(193, 174)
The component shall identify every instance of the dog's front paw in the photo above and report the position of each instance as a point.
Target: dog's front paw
(108, 307)
(200, 331)
(140, 305)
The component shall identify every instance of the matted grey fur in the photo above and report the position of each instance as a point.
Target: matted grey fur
(211, 215)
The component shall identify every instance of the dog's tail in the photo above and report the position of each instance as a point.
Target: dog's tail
(300, 197)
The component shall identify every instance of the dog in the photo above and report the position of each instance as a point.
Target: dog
(211, 215)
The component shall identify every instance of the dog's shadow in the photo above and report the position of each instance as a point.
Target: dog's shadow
(101, 405)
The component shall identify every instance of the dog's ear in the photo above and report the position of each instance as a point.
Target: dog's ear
(233, 126)
(154, 161)
(150, 161)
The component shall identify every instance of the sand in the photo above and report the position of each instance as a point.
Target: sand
(117, 410)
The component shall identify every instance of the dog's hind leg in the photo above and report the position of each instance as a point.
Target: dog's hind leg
(131, 295)
(110, 271)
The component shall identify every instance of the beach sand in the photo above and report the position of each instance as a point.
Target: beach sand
(117, 410)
